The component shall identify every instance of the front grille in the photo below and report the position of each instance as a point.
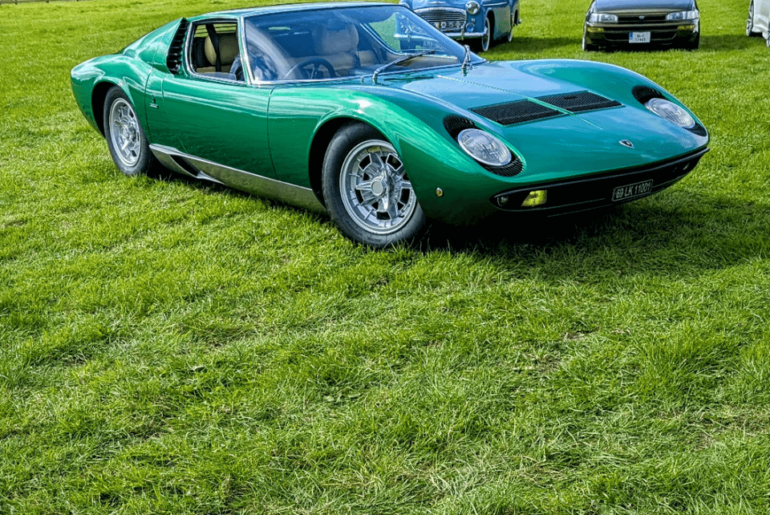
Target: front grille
(641, 18)
(456, 124)
(580, 101)
(597, 191)
(657, 34)
(516, 112)
(446, 20)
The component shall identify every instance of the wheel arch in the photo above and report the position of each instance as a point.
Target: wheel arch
(320, 143)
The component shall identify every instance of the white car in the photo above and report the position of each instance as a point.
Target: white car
(758, 23)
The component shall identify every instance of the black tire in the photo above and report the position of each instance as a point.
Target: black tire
(347, 139)
(145, 160)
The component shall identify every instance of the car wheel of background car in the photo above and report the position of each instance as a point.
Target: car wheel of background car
(484, 42)
(128, 145)
(767, 41)
(367, 191)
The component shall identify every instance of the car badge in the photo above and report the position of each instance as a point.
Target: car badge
(626, 143)
(641, 17)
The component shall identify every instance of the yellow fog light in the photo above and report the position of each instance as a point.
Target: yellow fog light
(535, 198)
(685, 28)
(595, 29)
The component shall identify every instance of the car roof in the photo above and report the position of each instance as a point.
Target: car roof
(313, 6)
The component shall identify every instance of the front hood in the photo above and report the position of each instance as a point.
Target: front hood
(612, 6)
(581, 142)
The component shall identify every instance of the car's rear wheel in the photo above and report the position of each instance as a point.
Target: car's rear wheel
(367, 190)
(126, 140)
(750, 24)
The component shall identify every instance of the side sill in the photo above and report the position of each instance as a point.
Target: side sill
(241, 180)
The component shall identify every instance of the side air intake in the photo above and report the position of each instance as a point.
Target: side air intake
(174, 59)
(454, 125)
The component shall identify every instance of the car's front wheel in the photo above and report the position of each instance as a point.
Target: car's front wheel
(483, 43)
(367, 189)
(126, 140)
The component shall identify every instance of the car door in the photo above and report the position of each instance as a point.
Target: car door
(205, 113)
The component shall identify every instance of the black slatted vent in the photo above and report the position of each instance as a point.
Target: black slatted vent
(580, 102)
(516, 112)
(174, 59)
(645, 93)
(454, 125)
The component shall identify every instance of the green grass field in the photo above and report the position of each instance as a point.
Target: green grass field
(171, 347)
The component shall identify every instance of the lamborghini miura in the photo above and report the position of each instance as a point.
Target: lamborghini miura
(329, 107)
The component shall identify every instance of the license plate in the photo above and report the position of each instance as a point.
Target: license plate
(639, 37)
(632, 190)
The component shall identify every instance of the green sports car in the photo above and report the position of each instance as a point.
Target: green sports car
(369, 113)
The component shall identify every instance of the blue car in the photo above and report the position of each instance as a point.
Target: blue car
(480, 23)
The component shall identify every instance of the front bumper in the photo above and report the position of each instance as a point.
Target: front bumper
(661, 34)
(599, 190)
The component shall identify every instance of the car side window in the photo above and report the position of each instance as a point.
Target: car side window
(214, 51)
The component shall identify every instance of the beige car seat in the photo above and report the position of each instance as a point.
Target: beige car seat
(228, 51)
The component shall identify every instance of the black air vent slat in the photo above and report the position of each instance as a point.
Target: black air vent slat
(580, 102)
(454, 125)
(516, 112)
(645, 93)
(174, 58)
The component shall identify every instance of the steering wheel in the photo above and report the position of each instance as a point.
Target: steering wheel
(317, 63)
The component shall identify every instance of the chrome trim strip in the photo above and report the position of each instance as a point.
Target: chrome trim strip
(442, 9)
(241, 180)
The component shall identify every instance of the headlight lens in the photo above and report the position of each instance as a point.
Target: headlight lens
(472, 8)
(671, 112)
(603, 18)
(683, 16)
(484, 148)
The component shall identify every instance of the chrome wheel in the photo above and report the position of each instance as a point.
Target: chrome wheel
(125, 132)
(375, 188)
(488, 37)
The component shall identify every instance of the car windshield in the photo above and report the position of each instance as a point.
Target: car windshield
(345, 42)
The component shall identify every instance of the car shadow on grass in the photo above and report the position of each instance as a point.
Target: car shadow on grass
(673, 234)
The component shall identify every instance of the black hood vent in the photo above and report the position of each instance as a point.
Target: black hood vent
(516, 112)
(174, 58)
(580, 102)
(522, 111)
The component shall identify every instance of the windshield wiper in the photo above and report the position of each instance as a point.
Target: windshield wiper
(399, 61)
